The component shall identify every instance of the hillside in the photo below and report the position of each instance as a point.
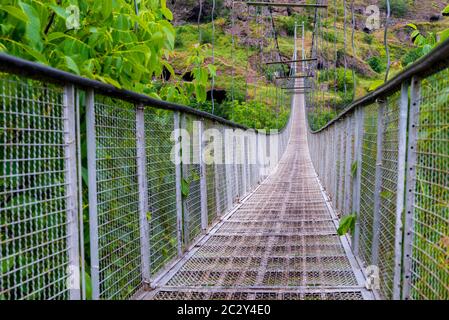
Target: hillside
(369, 60)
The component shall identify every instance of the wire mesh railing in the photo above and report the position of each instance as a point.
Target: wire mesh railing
(384, 162)
(144, 188)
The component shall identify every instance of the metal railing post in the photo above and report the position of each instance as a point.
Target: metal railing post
(402, 144)
(92, 184)
(413, 122)
(71, 178)
(357, 179)
(235, 164)
(203, 183)
(229, 168)
(217, 164)
(334, 165)
(378, 183)
(184, 175)
(178, 178)
(142, 179)
(348, 162)
(243, 150)
(341, 166)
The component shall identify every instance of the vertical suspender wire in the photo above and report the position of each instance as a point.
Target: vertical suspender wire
(213, 57)
(344, 46)
(232, 55)
(248, 30)
(327, 51)
(335, 52)
(321, 39)
(387, 49)
(273, 25)
(313, 55)
(200, 13)
(354, 80)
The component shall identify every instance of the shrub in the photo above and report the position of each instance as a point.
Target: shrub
(288, 23)
(206, 36)
(411, 56)
(320, 117)
(377, 64)
(399, 8)
(368, 38)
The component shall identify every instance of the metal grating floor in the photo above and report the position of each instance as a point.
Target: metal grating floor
(281, 243)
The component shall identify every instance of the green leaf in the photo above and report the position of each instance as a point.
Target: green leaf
(7, 265)
(347, 225)
(445, 11)
(61, 12)
(88, 286)
(149, 216)
(444, 35)
(185, 188)
(212, 70)
(354, 169)
(71, 65)
(15, 12)
(167, 13)
(412, 25)
(33, 26)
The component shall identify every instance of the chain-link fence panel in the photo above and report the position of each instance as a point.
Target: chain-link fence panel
(161, 181)
(369, 150)
(35, 216)
(429, 230)
(192, 176)
(388, 196)
(117, 193)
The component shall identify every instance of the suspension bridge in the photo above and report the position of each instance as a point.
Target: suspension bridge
(280, 242)
(91, 197)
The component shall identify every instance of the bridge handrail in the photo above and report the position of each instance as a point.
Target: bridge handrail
(435, 61)
(384, 164)
(144, 209)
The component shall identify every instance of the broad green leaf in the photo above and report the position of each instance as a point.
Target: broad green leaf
(7, 265)
(354, 168)
(61, 12)
(445, 11)
(167, 13)
(169, 67)
(212, 70)
(185, 188)
(414, 34)
(149, 216)
(33, 26)
(444, 35)
(71, 65)
(15, 12)
(412, 25)
(347, 225)
(88, 285)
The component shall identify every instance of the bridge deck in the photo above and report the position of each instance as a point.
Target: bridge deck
(281, 242)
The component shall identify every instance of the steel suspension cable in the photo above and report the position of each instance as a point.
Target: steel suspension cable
(354, 80)
(232, 54)
(200, 38)
(247, 52)
(200, 13)
(335, 50)
(327, 54)
(387, 49)
(345, 46)
(213, 56)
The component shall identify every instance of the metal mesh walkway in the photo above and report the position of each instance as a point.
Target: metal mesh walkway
(280, 243)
